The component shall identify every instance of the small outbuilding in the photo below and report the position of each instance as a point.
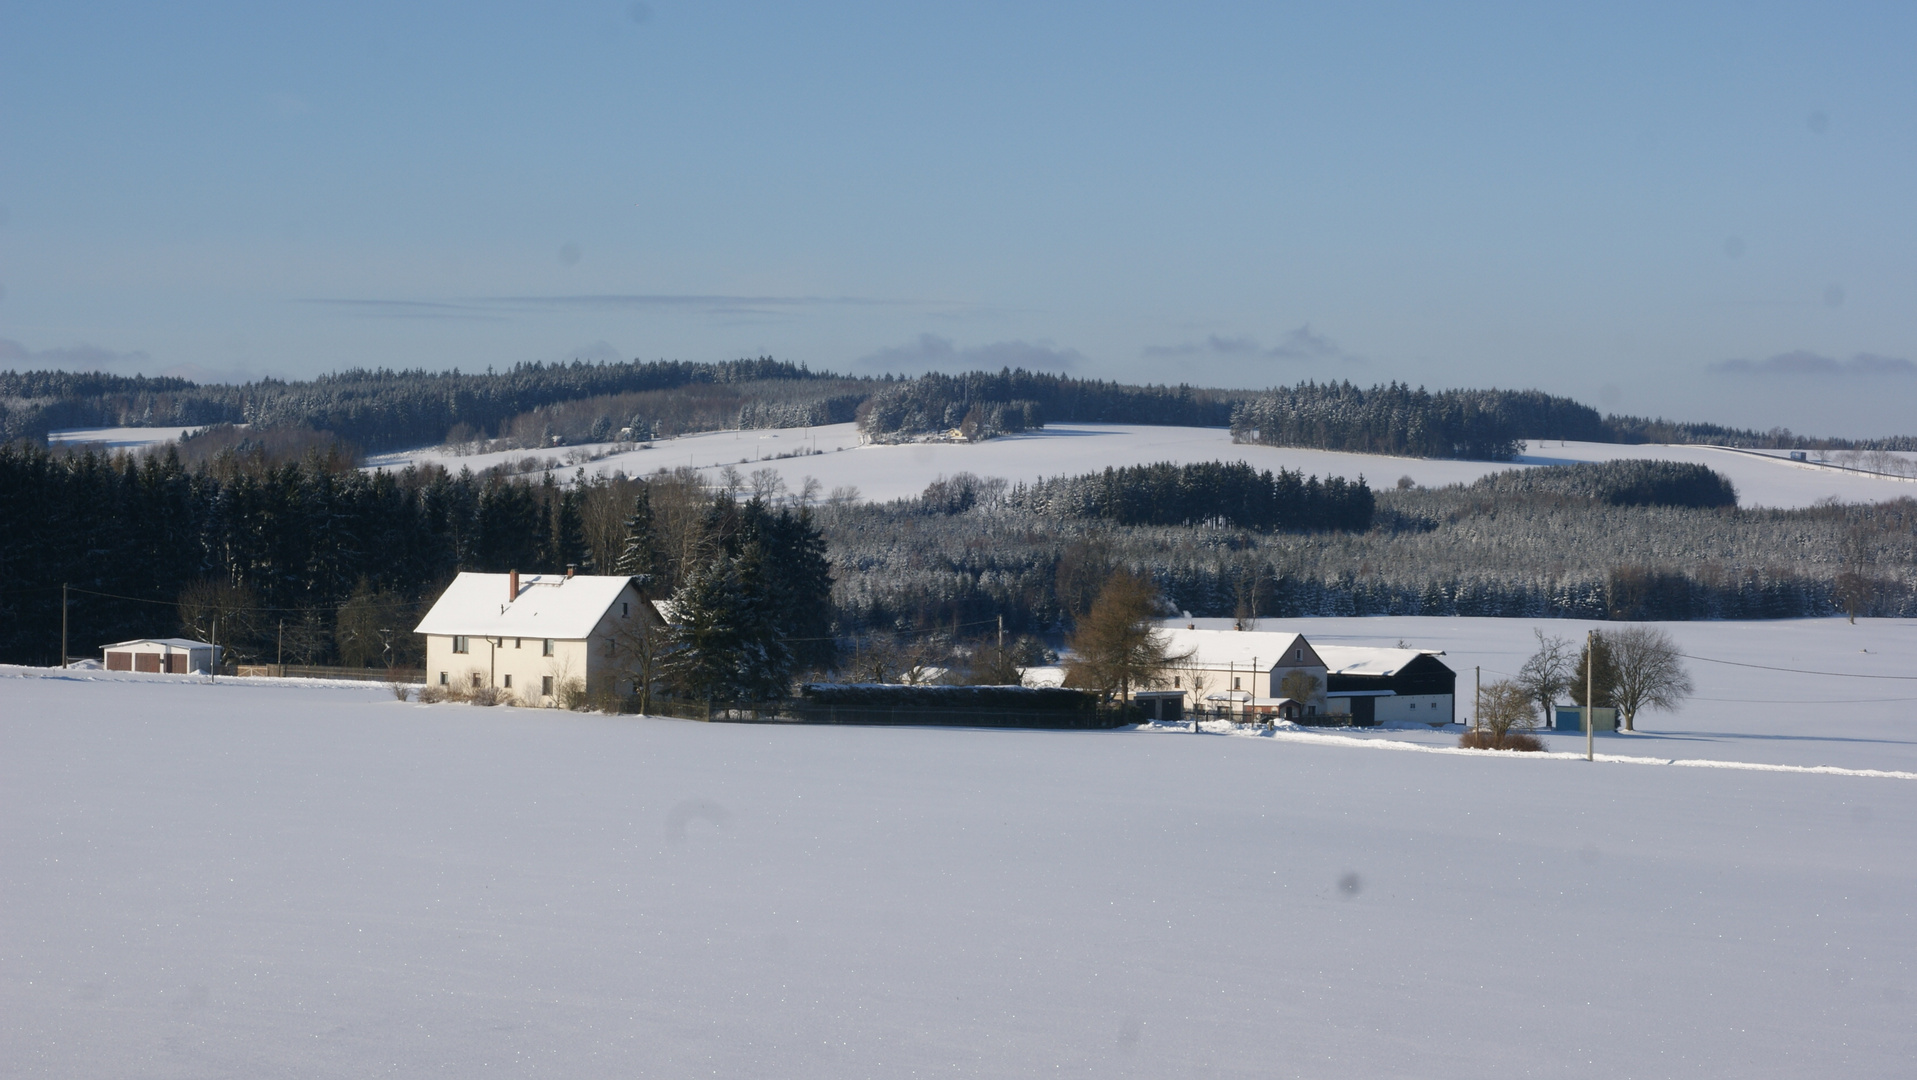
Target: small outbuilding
(1571, 718)
(172, 656)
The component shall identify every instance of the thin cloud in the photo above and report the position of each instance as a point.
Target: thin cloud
(70, 358)
(930, 352)
(1810, 363)
(1302, 345)
(407, 309)
(15, 355)
(499, 307)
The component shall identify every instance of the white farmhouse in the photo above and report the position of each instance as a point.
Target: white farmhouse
(534, 634)
(1243, 672)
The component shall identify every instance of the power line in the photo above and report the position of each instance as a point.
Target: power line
(1803, 701)
(1799, 671)
(1771, 667)
(283, 610)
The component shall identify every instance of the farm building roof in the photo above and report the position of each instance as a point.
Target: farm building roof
(171, 642)
(548, 606)
(1364, 660)
(1244, 648)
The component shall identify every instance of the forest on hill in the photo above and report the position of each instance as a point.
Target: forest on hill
(367, 411)
(334, 563)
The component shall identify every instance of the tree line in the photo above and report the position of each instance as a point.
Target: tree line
(1619, 483)
(379, 410)
(373, 409)
(320, 562)
(1214, 493)
(1458, 550)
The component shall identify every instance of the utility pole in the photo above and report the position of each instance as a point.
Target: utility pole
(1477, 696)
(1590, 698)
(63, 625)
(279, 650)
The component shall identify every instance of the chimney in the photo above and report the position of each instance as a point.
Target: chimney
(512, 587)
(570, 567)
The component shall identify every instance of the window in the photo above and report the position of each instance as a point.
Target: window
(624, 609)
(509, 682)
(462, 643)
(475, 680)
(1311, 710)
(517, 642)
(546, 649)
(1234, 683)
(442, 679)
(1297, 656)
(1174, 682)
(545, 685)
(608, 646)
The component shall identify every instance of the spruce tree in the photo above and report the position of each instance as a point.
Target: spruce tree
(709, 641)
(640, 557)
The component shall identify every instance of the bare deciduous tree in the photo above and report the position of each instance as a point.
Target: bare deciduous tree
(1650, 672)
(1547, 673)
(639, 651)
(221, 612)
(1189, 675)
(1505, 717)
(1299, 686)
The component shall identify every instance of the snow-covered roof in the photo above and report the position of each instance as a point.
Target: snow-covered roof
(548, 606)
(1042, 675)
(1363, 660)
(170, 642)
(1263, 649)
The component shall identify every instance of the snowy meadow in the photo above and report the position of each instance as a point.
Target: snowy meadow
(246, 878)
(836, 456)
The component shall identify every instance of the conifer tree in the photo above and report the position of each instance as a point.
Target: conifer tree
(712, 647)
(640, 557)
(1603, 676)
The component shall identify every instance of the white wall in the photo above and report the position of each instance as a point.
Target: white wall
(1415, 708)
(523, 659)
(496, 660)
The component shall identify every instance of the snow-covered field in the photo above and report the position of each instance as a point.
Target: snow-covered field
(1772, 713)
(246, 879)
(882, 472)
(118, 438)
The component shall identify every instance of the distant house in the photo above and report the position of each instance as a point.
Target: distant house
(1243, 672)
(533, 634)
(174, 656)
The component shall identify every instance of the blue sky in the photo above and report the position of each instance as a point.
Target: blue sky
(1698, 211)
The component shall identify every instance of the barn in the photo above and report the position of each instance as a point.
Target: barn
(174, 656)
(1365, 686)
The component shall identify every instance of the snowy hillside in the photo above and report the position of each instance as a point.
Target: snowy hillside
(244, 879)
(882, 472)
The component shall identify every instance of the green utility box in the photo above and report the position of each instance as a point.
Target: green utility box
(1571, 718)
